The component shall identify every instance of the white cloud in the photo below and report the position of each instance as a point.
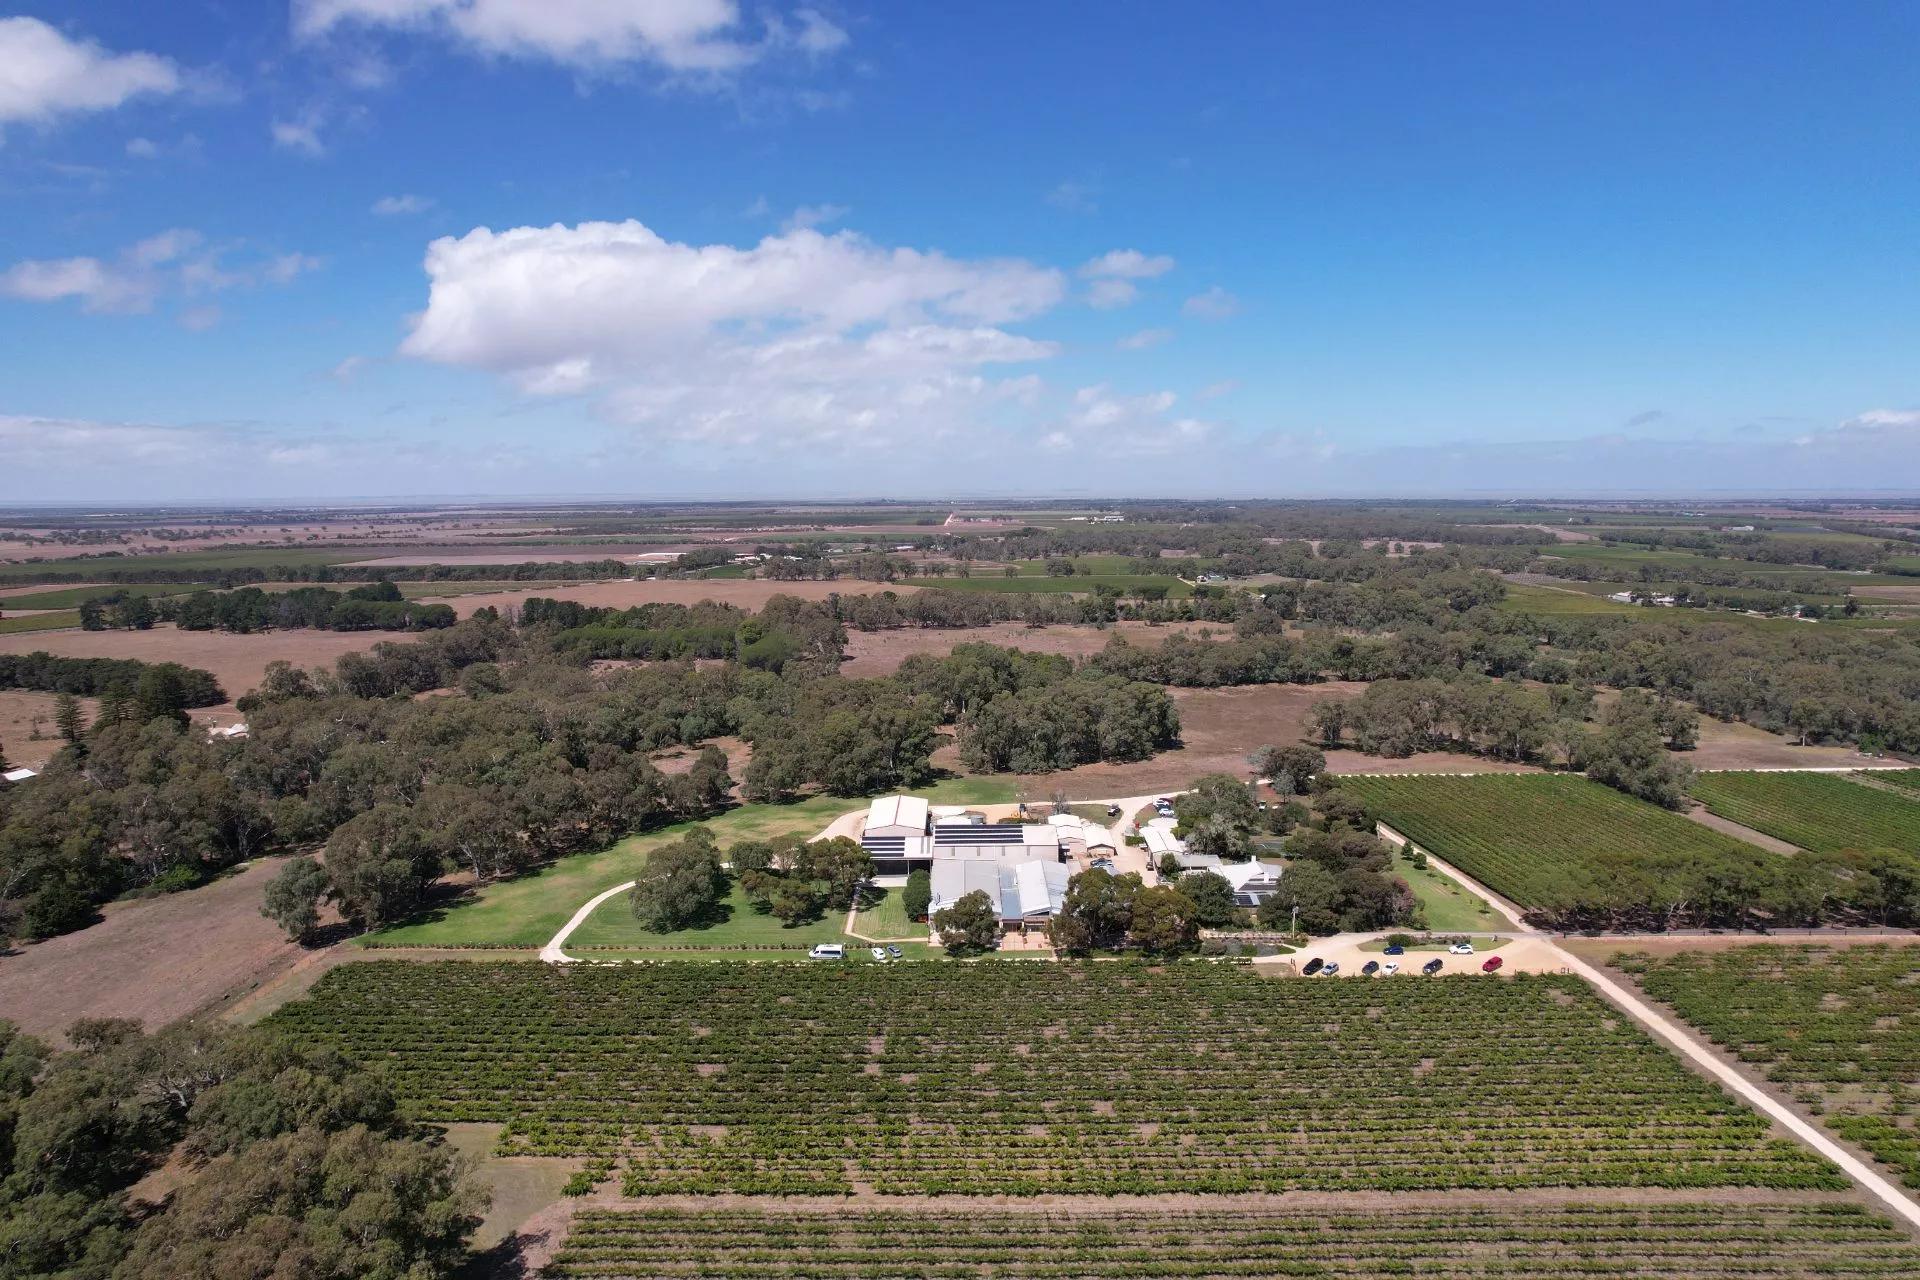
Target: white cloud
(804, 337)
(814, 215)
(301, 134)
(1074, 197)
(33, 441)
(1214, 390)
(1215, 304)
(200, 319)
(143, 148)
(1103, 422)
(1145, 338)
(1126, 264)
(1106, 295)
(45, 75)
(176, 262)
(693, 36)
(392, 206)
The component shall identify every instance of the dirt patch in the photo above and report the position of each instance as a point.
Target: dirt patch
(1220, 727)
(19, 708)
(880, 653)
(1741, 746)
(157, 960)
(237, 661)
(747, 593)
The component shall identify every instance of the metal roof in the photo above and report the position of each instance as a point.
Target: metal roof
(898, 811)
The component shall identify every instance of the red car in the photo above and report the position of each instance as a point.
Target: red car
(1493, 963)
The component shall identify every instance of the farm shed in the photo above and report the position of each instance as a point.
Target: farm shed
(896, 816)
(1022, 893)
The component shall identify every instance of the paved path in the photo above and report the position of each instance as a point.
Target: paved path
(552, 952)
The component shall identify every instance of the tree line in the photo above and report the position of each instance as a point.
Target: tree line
(287, 1161)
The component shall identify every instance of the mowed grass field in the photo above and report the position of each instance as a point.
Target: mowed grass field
(1466, 1241)
(1017, 1078)
(1125, 583)
(55, 621)
(527, 911)
(1823, 812)
(1541, 840)
(1837, 1027)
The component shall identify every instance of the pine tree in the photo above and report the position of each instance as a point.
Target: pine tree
(68, 717)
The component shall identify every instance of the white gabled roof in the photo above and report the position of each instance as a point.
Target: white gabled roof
(1040, 887)
(898, 811)
(1241, 874)
(1160, 838)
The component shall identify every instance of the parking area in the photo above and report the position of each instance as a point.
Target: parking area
(1523, 954)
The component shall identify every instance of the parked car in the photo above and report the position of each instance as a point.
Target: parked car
(895, 951)
(1396, 950)
(827, 951)
(1102, 864)
(878, 953)
(1333, 967)
(1492, 965)
(1390, 968)
(1433, 966)
(1113, 811)
(1370, 968)
(1312, 966)
(1461, 949)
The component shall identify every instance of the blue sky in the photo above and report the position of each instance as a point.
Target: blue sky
(662, 248)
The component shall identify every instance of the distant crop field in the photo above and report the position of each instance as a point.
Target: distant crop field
(1544, 840)
(74, 597)
(1125, 583)
(1016, 1242)
(1837, 1027)
(1024, 1078)
(1823, 812)
(1905, 779)
(185, 563)
(55, 621)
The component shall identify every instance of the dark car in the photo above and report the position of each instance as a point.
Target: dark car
(1396, 950)
(1492, 964)
(1313, 966)
(1370, 968)
(1433, 966)
(1113, 811)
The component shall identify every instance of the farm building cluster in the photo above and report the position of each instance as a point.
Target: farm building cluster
(1023, 866)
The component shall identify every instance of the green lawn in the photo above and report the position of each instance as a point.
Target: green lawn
(1449, 908)
(741, 928)
(40, 622)
(527, 911)
(1550, 600)
(886, 917)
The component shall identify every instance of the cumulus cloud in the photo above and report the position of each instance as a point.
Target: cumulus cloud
(1103, 422)
(1126, 264)
(815, 215)
(803, 337)
(1215, 304)
(177, 262)
(301, 134)
(45, 75)
(1145, 338)
(694, 36)
(394, 206)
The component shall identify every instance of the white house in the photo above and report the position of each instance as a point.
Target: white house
(1253, 882)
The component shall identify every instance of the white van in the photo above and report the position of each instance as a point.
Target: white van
(827, 951)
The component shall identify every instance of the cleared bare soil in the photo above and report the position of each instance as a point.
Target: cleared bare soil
(157, 960)
(879, 653)
(748, 593)
(1219, 727)
(18, 708)
(238, 661)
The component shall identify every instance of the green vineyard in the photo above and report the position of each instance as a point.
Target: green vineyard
(1597, 1242)
(1824, 812)
(1019, 1078)
(1562, 845)
(1838, 1027)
